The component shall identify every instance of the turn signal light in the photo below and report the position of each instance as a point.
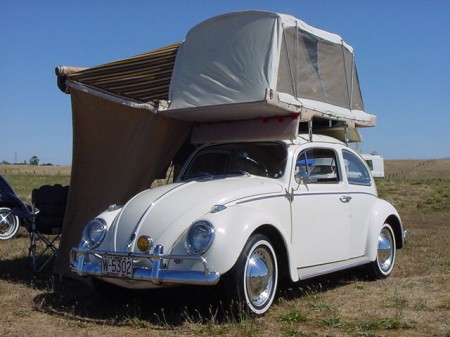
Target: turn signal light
(144, 243)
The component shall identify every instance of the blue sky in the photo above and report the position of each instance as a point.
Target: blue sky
(402, 52)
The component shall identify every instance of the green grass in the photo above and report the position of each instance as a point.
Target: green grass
(424, 195)
(23, 184)
(293, 317)
(332, 321)
(383, 324)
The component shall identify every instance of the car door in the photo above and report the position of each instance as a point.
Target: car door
(320, 209)
(363, 196)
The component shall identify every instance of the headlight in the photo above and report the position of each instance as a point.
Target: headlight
(94, 233)
(200, 237)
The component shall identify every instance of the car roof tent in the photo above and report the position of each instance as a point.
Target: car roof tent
(255, 65)
(248, 75)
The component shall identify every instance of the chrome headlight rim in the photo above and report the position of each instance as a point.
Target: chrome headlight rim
(94, 233)
(200, 237)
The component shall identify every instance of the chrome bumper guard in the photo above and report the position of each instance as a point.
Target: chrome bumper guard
(157, 274)
(405, 236)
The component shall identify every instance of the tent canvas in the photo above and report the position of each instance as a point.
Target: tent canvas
(238, 57)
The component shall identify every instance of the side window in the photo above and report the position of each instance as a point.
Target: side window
(317, 166)
(357, 172)
(369, 163)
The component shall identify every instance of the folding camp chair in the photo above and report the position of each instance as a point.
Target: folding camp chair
(43, 220)
(45, 230)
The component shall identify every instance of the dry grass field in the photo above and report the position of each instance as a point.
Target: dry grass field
(414, 301)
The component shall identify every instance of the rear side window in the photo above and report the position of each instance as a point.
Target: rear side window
(370, 164)
(317, 166)
(357, 172)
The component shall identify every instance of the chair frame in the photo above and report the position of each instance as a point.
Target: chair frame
(34, 235)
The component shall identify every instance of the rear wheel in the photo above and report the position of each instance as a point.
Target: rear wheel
(253, 280)
(9, 223)
(386, 254)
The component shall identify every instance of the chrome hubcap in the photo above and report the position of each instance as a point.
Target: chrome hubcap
(259, 276)
(385, 250)
(6, 223)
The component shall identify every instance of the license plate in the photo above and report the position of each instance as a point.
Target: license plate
(121, 266)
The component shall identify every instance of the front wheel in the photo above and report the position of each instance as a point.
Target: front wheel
(386, 254)
(9, 223)
(253, 280)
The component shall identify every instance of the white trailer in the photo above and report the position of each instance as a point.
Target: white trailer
(375, 163)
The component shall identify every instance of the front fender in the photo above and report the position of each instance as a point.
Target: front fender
(235, 225)
(382, 212)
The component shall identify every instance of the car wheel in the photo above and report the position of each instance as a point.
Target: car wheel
(254, 278)
(9, 223)
(386, 254)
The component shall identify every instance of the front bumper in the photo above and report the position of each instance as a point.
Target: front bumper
(157, 274)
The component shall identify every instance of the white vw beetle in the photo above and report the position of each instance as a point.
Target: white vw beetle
(248, 213)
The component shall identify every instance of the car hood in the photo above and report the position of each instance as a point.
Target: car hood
(176, 206)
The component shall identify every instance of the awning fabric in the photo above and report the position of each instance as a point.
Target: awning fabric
(143, 78)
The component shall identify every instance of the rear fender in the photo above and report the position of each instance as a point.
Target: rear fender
(383, 212)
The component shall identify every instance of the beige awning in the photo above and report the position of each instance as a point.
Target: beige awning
(144, 78)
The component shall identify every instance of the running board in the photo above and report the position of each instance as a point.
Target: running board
(309, 272)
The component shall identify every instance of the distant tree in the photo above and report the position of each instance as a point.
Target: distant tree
(34, 160)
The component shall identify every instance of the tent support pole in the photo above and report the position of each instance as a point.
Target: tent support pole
(310, 130)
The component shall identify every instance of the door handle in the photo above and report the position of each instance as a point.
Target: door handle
(345, 198)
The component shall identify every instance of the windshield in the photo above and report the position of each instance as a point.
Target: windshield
(265, 159)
